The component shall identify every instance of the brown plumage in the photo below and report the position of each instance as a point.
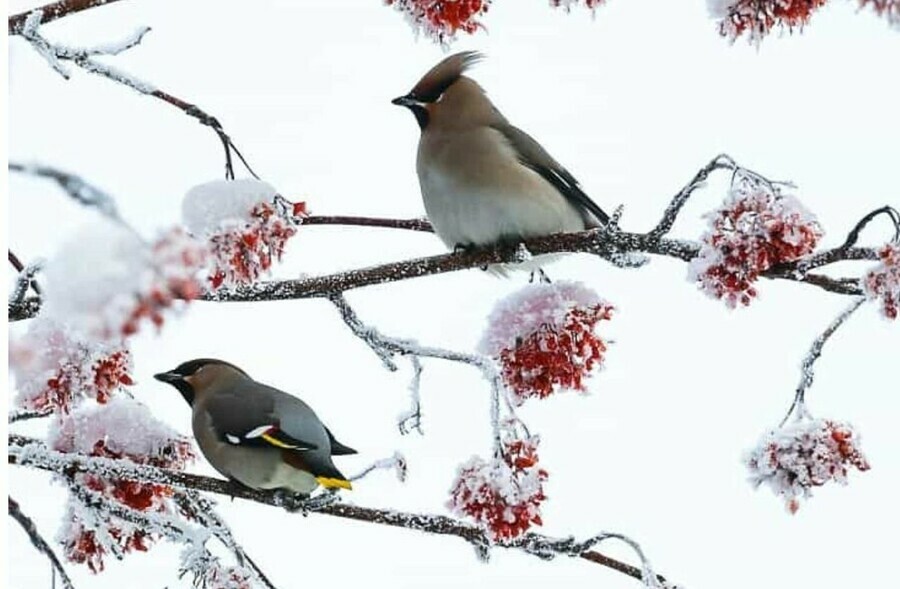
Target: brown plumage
(484, 180)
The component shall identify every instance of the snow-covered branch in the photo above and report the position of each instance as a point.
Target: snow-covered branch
(807, 373)
(51, 12)
(57, 55)
(38, 541)
(33, 453)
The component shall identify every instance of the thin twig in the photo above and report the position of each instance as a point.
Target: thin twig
(420, 224)
(38, 541)
(52, 11)
(56, 54)
(887, 211)
(32, 453)
(806, 368)
(82, 192)
(26, 414)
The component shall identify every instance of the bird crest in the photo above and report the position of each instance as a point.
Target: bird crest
(444, 74)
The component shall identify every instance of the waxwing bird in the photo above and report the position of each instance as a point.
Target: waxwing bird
(255, 434)
(484, 180)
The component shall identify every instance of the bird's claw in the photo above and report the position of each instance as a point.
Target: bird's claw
(305, 504)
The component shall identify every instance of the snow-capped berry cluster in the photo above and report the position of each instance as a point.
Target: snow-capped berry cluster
(544, 338)
(757, 18)
(88, 535)
(245, 224)
(755, 229)
(503, 495)
(804, 454)
(106, 279)
(442, 19)
(55, 369)
(121, 429)
(883, 281)
(176, 262)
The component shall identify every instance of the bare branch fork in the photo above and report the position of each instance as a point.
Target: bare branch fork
(33, 453)
(28, 27)
(38, 541)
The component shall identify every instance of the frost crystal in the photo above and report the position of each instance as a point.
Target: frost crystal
(883, 281)
(755, 229)
(503, 495)
(807, 453)
(442, 19)
(54, 368)
(246, 225)
(543, 336)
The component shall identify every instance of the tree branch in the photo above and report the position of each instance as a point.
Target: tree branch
(56, 53)
(420, 224)
(807, 373)
(38, 541)
(32, 453)
(51, 12)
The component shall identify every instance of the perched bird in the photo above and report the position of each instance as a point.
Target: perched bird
(255, 434)
(484, 180)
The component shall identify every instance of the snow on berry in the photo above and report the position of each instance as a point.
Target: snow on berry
(757, 18)
(55, 369)
(755, 229)
(883, 281)
(226, 577)
(106, 279)
(804, 454)
(440, 20)
(88, 535)
(123, 429)
(245, 224)
(544, 338)
(503, 495)
(176, 262)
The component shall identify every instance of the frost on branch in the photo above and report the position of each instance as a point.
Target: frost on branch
(440, 20)
(226, 577)
(804, 454)
(544, 338)
(757, 18)
(120, 429)
(54, 368)
(246, 225)
(106, 280)
(756, 228)
(883, 281)
(503, 495)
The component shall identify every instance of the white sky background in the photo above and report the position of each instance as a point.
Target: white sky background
(633, 102)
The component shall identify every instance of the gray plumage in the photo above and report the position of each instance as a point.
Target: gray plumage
(255, 434)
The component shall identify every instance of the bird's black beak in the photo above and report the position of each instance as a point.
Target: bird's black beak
(168, 377)
(408, 100)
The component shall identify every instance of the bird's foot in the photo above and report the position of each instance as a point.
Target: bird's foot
(296, 502)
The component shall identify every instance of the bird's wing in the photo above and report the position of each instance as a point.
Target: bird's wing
(242, 419)
(533, 156)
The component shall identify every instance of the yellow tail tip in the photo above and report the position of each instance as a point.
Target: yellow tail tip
(334, 483)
